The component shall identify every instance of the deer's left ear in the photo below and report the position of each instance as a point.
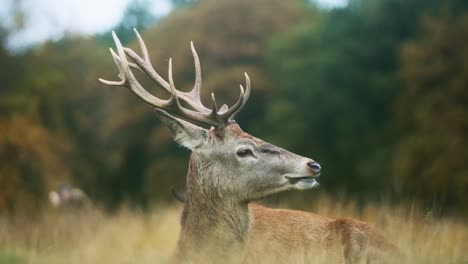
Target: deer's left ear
(183, 132)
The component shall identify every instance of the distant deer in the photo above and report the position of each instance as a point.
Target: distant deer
(229, 169)
(67, 197)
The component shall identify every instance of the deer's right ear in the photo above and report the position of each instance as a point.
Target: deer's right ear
(183, 132)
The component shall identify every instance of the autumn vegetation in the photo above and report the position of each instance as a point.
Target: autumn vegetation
(134, 236)
(376, 91)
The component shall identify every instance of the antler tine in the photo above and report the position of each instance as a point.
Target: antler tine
(214, 110)
(174, 98)
(195, 92)
(128, 79)
(236, 106)
(191, 98)
(196, 112)
(116, 57)
(148, 69)
(246, 96)
(249, 88)
(119, 67)
(121, 75)
(147, 61)
(143, 48)
(211, 119)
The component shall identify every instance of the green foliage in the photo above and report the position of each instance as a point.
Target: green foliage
(9, 66)
(32, 161)
(50, 126)
(344, 69)
(433, 109)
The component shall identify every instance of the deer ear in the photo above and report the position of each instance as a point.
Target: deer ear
(183, 132)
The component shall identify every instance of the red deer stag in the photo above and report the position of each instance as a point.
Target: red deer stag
(228, 170)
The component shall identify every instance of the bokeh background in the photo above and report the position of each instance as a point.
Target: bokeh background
(375, 90)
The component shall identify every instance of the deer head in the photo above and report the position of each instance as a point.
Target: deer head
(226, 162)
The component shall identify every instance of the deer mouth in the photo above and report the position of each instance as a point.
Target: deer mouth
(305, 178)
(302, 182)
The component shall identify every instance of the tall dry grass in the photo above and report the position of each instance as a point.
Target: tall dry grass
(132, 236)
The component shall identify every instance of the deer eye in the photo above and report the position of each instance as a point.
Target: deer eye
(244, 153)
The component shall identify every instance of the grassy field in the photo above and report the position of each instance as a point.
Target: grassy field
(131, 236)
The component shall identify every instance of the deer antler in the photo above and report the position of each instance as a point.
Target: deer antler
(196, 112)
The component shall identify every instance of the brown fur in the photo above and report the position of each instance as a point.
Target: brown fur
(215, 229)
(284, 234)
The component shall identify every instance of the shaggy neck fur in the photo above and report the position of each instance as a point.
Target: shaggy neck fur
(210, 220)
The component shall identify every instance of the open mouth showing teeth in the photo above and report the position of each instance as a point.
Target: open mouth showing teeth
(307, 178)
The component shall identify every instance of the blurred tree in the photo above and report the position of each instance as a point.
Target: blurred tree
(32, 161)
(58, 89)
(337, 81)
(10, 67)
(433, 110)
(136, 15)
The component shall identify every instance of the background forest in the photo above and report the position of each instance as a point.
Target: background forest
(376, 91)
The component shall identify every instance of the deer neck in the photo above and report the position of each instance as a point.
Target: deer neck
(209, 217)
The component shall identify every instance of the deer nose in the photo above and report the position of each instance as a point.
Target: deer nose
(315, 167)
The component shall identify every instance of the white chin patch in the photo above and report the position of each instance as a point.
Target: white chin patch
(306, 184)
